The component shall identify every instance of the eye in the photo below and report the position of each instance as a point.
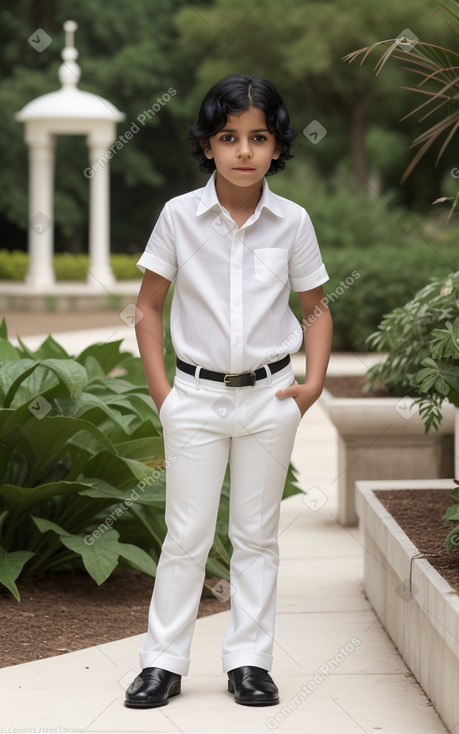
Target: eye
(259, 138)
(227, 138)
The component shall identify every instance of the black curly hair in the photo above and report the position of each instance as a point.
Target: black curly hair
(233, 95)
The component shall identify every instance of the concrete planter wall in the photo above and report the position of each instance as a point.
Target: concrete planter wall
(384, 438)
(417, 607)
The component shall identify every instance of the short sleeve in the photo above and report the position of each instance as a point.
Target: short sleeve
(160, 253)
(306, 269)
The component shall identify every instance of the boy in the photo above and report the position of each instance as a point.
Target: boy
(234, 250)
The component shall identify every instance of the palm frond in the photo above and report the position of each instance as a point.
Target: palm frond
(435, 66)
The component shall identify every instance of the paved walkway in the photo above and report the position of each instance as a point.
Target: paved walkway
(336, 668)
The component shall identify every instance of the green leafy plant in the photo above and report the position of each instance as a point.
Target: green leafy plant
(421, 341)
(437, 69)
(81, 451)
(439, 378)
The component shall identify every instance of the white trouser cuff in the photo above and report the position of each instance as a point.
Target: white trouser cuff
(246, 657)
(162, 660)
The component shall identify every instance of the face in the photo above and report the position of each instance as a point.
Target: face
(244, 149)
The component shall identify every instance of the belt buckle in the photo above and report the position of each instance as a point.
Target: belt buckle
(228, 377)
(252, 375)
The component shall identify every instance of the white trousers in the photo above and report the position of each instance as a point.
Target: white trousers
(206, 425)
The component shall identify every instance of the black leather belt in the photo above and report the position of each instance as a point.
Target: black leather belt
(231, 380)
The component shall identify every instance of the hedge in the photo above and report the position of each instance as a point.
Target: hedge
(13, 266)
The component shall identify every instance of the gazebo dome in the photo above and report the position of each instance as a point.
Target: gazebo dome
(69, 103)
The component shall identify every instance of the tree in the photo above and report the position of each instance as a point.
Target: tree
(300, 46)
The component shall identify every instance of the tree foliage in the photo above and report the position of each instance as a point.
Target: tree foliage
(133, 53)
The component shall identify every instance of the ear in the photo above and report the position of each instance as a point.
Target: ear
(205, 145)
(277, 152)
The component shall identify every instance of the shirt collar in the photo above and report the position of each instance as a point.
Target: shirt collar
(209, 199)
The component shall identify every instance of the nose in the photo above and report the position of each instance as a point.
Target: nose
(244, 150)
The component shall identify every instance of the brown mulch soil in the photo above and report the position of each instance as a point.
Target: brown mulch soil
(63, 612)
(351, 386)
(419, 513)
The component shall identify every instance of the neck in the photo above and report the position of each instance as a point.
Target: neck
(238, 199)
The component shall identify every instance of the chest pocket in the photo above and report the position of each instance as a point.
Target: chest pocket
(271, 266)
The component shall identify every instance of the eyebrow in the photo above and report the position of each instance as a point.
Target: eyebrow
(232, 130)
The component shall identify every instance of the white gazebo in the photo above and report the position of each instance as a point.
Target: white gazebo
(68, 111)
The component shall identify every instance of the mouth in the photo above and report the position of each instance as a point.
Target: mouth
(243, 168)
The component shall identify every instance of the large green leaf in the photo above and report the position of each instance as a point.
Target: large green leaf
(69, 372)
(49, 349)
(150, 493)
(10, 372)
(142, 449)
(136, 403)
(137, 558)
(93, 369)
(115, 385)
(107, 355)
(100, 553)
(96, 410)
(11, 565)
(23, 498)
(8, 353)
(116, 470)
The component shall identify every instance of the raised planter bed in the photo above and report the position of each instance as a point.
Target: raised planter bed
(384, 438)
(416, 605)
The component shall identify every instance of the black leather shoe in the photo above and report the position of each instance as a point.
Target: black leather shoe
(153, 687)
(252, 686)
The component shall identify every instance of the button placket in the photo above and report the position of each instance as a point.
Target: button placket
(236, 301)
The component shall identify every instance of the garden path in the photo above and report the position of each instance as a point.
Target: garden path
(336, 668)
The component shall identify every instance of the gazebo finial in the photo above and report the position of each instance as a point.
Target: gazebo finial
(69, 71)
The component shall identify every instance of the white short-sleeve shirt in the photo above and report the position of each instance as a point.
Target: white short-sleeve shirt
(230, 310)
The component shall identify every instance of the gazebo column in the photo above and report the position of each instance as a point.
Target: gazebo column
(41, 211)
(100, 272)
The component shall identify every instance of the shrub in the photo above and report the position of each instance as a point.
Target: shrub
(124, 266)
(421, 341)
(14, 264)
(71, 267)
(386, 278)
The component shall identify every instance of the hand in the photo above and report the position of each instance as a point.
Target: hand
(304, 395)
(160, 398)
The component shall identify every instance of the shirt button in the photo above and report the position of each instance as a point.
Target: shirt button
(236, 302)
(236, 267)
